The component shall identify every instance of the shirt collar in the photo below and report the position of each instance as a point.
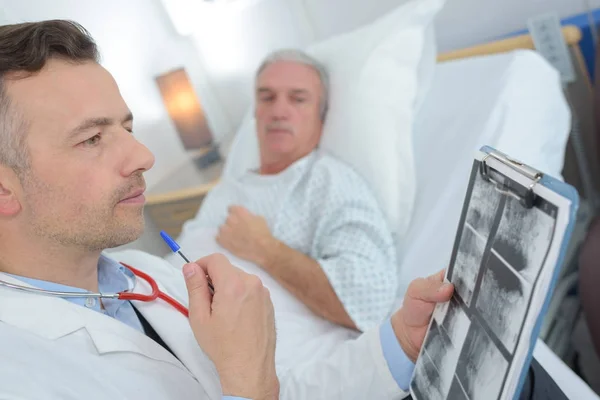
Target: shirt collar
(111, 279)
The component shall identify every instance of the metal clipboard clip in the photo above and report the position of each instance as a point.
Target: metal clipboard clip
(506, 186)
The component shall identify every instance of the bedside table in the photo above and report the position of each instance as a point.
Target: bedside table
(178, 197)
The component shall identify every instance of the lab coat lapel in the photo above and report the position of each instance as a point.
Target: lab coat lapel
(48, 317)
(55, 318)
(110, 335)
(174, 328)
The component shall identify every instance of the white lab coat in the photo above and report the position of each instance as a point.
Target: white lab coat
(53, 349)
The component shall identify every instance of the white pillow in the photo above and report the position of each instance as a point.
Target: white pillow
(379, 76)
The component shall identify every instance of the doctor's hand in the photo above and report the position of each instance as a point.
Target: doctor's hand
(246, 235)
(235, 327)
(410, 323)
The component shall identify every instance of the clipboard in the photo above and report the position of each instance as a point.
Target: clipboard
(511, 241)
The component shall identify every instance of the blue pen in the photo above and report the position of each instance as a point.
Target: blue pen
(176, 249)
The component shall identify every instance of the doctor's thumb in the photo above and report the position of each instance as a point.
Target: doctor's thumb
(198, 291)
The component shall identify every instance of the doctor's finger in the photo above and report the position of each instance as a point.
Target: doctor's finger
(438, 276)
(200, 299)
(218, 268)
(430, 290)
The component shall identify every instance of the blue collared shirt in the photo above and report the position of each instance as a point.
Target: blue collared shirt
(399, 364)
(112, 279)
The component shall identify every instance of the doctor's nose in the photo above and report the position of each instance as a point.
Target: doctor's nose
(138, 158)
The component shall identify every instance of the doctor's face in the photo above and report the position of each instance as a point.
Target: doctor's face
(288, 119)
(84, 184)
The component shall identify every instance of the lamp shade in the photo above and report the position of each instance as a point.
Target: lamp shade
(184, 108)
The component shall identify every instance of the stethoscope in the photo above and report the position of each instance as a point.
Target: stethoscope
(131, 274)
(127, 295)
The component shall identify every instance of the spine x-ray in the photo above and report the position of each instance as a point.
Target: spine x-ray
(503, 263)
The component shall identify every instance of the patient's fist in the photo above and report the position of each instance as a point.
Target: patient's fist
(246, 235)
(410, 323)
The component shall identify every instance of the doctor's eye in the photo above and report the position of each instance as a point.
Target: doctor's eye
(94, 140)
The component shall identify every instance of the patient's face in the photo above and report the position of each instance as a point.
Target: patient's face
(84, 160)
(287, 111)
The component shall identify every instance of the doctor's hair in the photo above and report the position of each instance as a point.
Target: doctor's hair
(24, 50)
(300, 57)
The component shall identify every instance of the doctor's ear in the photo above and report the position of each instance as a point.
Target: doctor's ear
(9, 187)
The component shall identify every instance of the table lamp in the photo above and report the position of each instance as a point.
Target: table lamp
(186, 112)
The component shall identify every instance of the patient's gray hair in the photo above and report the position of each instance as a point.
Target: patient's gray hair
(298, 56)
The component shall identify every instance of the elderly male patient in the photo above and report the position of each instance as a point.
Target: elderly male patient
(304, 217)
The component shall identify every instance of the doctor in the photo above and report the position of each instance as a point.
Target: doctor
(71, 186)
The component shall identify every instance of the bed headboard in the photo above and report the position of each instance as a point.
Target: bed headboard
(579, 95)
(571, 33)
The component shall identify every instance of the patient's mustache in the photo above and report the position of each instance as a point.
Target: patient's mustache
(280, 126)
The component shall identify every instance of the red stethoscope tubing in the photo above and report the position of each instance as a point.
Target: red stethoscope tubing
(156, 292)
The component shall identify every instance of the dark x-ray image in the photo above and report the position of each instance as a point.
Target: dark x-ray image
(466, 266)
(502, 300)
(526, 251)
(456, 323)
(481, 367)
(474, 338)
(442, 348)
(426, 382)
(429, 382)
(457, 391)
(438, 353)
(482, 206)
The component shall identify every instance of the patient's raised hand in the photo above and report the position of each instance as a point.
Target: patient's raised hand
(246, 235)
(410, 323)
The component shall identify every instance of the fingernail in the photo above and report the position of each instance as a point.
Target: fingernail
(189, 270)
(444, 287)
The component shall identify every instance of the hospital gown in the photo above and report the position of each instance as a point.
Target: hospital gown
(322, 208)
